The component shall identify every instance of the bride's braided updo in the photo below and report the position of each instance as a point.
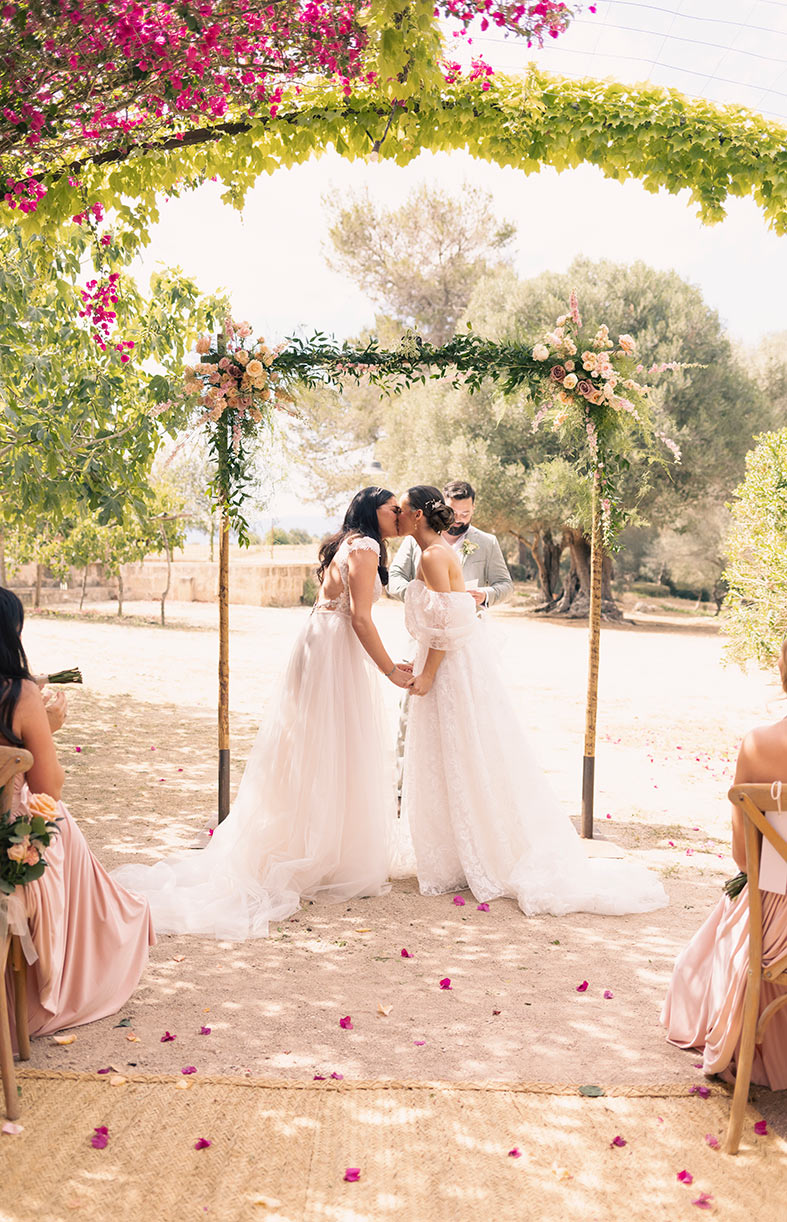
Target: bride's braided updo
(431, 502)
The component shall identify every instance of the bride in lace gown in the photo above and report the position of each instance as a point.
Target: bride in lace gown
(480, 810)
(314, 816)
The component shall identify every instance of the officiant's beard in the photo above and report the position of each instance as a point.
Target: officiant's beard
(458, 528)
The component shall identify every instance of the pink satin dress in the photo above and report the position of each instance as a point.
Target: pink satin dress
(704, 1004)
(90, 935)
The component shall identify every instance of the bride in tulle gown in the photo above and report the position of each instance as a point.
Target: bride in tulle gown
(480, 810)
(314, 817)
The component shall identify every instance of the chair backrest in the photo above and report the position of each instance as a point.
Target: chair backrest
(753, 801)
(13, 760)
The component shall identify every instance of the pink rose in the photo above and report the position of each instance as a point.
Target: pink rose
(18, 852)
(32, 856)
(584, 387)
(557, 373)
(224, 363)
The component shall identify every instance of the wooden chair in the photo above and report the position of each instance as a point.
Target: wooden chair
(13, 760)
(753, 801)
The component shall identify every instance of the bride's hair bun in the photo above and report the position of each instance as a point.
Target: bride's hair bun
(429, 500)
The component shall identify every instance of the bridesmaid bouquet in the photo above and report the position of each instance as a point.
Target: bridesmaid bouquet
(72, 675)
(24, 835)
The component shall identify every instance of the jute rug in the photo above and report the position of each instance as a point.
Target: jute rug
(279, 1151)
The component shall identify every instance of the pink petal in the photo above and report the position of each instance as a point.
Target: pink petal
(419, 1043)
(445, 983)
(704, 1201)
(618, 1141)
(204, 1030)
(712, 1141)
(459, 901)
(318, 1077)
(167, 1038)
(582, 987)
(482, 908)
(515, 1153)
(107, 1070)
(346, 1023)
(406, 954)
(608, 994)
(187, 1069)
(698, 1064)
(338, 1077)
(702, 1091)
(761, 1128)
(685, 1177)
(77, 749)
(201, 1143)
(100, 1137)
(352, 1175)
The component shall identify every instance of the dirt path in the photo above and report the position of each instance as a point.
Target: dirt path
(142, 783)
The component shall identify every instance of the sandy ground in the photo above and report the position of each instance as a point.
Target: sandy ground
(139, 747)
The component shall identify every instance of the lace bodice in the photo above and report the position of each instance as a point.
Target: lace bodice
(437, 620)
(341, 602)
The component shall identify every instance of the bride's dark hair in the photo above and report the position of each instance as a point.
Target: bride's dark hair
(360, 519)
(432, 504)
(13, 662)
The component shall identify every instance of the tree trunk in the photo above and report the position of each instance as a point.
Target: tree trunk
(546, 555)
(2, 558)
(575, 603)
(120, 592)
(168, 550)
(84, 585)
(39, 577)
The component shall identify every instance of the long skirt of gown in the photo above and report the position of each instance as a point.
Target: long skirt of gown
(313, 815)
(704, 1004)
(480, 810)
(91, 936)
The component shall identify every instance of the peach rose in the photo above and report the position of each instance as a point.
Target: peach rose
(254, 369)
(570, 381)
(242, 357)
(18, 852)
(42, 804)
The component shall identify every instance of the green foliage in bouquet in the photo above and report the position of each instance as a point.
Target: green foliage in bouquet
(24, 836)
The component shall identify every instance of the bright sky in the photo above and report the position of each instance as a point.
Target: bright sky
(271, 258)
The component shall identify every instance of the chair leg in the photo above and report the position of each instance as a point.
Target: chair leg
(6, 1052)
(745, 1062)
(19, 969)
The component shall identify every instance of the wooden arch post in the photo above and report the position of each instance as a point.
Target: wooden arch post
(223, 481)
(594, 640)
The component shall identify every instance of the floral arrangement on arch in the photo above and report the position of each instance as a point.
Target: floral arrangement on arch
(25, 834)
(592, 391)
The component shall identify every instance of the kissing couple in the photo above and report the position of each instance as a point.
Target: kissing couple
(315, 814)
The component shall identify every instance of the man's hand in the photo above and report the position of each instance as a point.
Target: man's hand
(479, 596)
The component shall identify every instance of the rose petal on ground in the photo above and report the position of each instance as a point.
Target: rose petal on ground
(515, 1153)
(118, 1079)
(704, 1201)
(187, 1069)
(132, 1038)
(352, 1175)
(712, 1141)
(698, 1064)
(406, 954)
(560, 1173)
(482, 908)
(582, 988)
(419, 1043)
(338, 1077)
(685, 1177)
(445, 983)
(107, 1070)
(702, 1091)
(608, 994)
(201, 1143)
(761, 1128)
(497, 1011)
(100, 1137)
(63, 1039)
(178, 958)
(618, 1141)
(266, 1202)
(183, 1084)
(382, 1010)
(460, 903)
(346, 1023)
(204, 1030)
(167, 1038)
(363, 931)
(318, 1077)
(11, 1129)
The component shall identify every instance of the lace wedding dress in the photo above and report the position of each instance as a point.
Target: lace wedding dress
(314, 815)
(480, 810)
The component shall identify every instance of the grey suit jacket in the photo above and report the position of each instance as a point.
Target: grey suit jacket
(481, 559)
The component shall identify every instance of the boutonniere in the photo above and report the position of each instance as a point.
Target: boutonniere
(468, 548)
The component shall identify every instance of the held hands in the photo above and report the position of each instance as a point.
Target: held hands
(401, 675)
(421, 684)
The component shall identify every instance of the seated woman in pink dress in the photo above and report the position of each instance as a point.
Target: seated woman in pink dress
(704, 1005)
(90, 935)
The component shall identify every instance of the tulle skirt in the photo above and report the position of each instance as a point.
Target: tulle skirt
(314, 815)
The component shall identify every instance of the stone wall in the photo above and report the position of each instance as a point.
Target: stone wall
(259, 584)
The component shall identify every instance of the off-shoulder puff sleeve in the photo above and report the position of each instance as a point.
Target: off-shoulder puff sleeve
(439, 621)
(362, 543)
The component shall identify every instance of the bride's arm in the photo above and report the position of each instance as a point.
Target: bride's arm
(436, 569)
(362, 566)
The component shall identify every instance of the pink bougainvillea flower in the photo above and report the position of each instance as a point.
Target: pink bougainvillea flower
(581, 988)
(318, 1077)
(419, 1043)
(459, 901)
(482, 908)
(346, 1023)
(187, 1069)
(445, 983)
(77, 749)
(100, 1137)
(107, 1070)
(704, 1201)
(712, 1141)
(515, 1153)
(201, 1143)
(338, 1077)
(167, 1038)
(204, 1030)
(761, 1128)
(698, 1064)
(618, 1141)
(406, 954)
(352, 1175)
(685, 1177)
(702, 1091)
(608, 994)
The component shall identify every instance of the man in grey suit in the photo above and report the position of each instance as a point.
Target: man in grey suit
(484, 568)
